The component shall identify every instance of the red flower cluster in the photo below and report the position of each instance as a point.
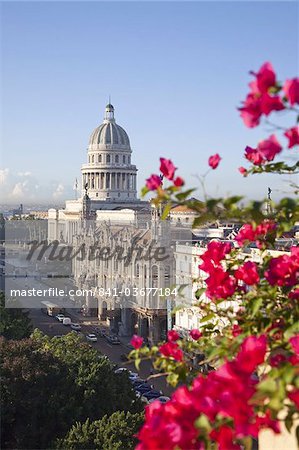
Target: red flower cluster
(284, 270)
(136, 341)
(168, 170)
(173, 336)
(293, 136)
(249, 233)
(171, 350)
(265, 151)
(226, 392)
(214, 161)
(260, 101)
(195, 334)
(220, 284)
(291, 90)
(248, 273)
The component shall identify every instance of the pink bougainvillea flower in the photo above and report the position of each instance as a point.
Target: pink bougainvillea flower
(284, 270)
(254, 156)
(215, 253)
(293, 136)
(136, 341)
(252, 353)
(195, 334)
(249, 234)
(291, 90)
(173, 336)
(251, 111)
(246, 234)
(269, 148)
(248, 273)
(236, 330)
(214, 161)
(294, 295)
(167, 168)
(178, 181)
(224, 436)
(243, 171)
(277, 360)
(171, 349)
(220, 285)
(271, 103)
(294, 396)
(265, 78)
(153, 182)
(294, 341)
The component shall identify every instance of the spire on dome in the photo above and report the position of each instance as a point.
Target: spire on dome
(109, 111)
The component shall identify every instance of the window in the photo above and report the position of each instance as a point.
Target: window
(118, 194)
(124, 159)
(100, 158)
(116, 158)
(92, 159)
(108, 158)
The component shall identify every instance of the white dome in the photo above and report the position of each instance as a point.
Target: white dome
(109, 133)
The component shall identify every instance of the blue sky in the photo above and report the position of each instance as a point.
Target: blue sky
(176, 72)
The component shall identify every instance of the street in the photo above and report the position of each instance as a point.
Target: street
(52, 327)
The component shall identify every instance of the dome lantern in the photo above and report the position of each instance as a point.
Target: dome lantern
(109, 113)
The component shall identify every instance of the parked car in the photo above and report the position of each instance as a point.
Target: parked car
(75, 326)
(121, 370)
(91, 337)
(60, 317)
(66, 321)
(152, 394)
(101, 332)
(144, 388)
(162, 399)
(112, 339)
(137, 382)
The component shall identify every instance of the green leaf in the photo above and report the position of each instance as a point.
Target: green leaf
(268, 386)
(207, 318)
(256, 304)
(183, 195)
(166, 210)
(144, 191)
(294, 329)
(203, 423)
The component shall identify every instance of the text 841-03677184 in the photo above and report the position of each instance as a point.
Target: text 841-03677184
(136, 292)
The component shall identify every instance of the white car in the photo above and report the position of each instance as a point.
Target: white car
(162, 399)
(60, 317)
(75, 326)
(132, 375)
(91, 338)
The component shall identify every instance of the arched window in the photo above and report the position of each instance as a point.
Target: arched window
(137, 270)
(100, 158)
(124, 159)
(166, 276)
(116, 158)
(108, 159)
(92, 159)
(155, 276)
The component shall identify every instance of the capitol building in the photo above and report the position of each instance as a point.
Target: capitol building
(109, 214)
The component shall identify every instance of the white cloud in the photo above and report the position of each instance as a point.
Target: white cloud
(59, 191)
(24, 187)
(3, 176)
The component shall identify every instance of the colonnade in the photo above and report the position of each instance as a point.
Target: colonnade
(110, 180)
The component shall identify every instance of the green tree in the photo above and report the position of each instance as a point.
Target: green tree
(14, 322)
(36, 394)
(100, 390)
(47, 385)
(115, 432)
